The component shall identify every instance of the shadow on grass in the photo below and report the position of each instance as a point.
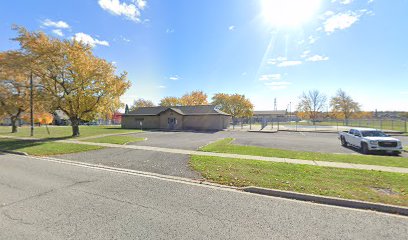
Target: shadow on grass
(7, 144)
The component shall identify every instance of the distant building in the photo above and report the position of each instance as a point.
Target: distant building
(203, 117)
(60, 118)
(117, 118)
(270, 116)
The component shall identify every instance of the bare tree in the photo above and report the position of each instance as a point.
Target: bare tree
(311, 103)
(343, 106)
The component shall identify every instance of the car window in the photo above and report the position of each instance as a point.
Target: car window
(373, 134)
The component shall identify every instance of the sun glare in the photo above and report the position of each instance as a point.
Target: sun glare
(289, 13)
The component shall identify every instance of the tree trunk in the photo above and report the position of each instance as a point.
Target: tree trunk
(13, 124)
(75, 126)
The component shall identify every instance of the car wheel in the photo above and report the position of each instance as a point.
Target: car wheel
(343, 142)
(364, 148)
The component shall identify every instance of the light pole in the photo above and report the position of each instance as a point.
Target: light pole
(31, 106)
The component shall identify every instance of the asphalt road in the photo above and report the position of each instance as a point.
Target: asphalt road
(313, 142)
(148, 161)
(46, 200)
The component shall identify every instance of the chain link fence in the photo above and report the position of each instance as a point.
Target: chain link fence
(324, 125)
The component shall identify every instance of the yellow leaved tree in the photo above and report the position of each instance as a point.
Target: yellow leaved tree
(80, 84)
(15, 87)
(238, 106)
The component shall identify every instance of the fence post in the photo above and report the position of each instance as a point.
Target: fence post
(392, 124)
(405, 125)
(278, 126)
(381, 124)
(250, 123)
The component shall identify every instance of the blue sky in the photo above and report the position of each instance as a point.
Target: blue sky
(237, 46)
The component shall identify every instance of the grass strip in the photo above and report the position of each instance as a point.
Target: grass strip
(225, 146)
(64, 132)
(372, 186)
(44, 148)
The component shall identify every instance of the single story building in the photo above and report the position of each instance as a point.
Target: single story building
(269, 116)
(202, 117)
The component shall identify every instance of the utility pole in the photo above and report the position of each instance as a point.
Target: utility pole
(290, 111)
(31, 106)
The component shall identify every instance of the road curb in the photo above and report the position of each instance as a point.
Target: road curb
(15, 152)
(329, 200)
(261, 131)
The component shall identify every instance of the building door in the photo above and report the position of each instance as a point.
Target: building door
(171, 123)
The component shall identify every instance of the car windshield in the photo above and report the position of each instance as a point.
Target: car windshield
(373, 134)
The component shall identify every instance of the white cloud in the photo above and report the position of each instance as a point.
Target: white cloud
(317, 58)
(231, 28)
(125, 39)
(129, 11)
(277, 85)
(328, 13)
(312, 39)
(345, 2)
(276, 60)
(340, 21)
(87, 39)
(174, 78)
(141, 4)
(288, 63)
(268, 77)
(58, 32)
(305, 53)
(244, 74)
(58, 24)
(283, 62)
(404, 92)
(161, 86)
(169, 30)
(370, 1)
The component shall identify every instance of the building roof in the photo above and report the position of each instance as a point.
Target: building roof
(182, 110)
(270, 112)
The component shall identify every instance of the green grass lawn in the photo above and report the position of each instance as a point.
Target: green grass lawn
(122, 139)
(225, 146)
(373, 186)
(64, 131)
(44, 148)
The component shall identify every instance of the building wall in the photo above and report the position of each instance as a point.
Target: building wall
(148, 122)
(164, 117)
(199, 122)
(206, 122)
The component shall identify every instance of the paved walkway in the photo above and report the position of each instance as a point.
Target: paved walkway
(249, 157)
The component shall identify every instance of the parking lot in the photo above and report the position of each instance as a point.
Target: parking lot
(313, 142)
(177, 164)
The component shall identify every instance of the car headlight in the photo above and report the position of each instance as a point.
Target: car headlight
(373, 142)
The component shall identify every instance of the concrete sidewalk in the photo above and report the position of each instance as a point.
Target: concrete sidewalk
(249, 157)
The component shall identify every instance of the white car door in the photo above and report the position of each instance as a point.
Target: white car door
(357, 138)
